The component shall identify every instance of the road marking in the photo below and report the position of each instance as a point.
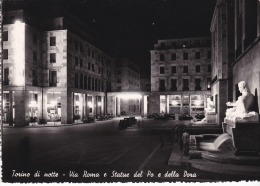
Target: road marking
(149, 157)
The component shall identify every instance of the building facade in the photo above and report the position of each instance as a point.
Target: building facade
(52, 73)
(222, 29)
(235, 47)
(180, 75)
(128, 99)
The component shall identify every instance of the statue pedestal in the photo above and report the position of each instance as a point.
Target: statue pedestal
(245, 136)
(211, 117)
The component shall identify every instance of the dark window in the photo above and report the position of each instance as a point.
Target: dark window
(93, 54)
(6, 76)
(173, 56)
(76, 61)
(76, 81)
(34, 38)
(53, 41)
(93, 84)
(162, 57)
(209, 68)
(99, 70)
(52, 57)
(161, 85)
(93, 67)
(89, 83)
(197, 68)
(118, 89)
(197, 84)
(162, 70)
(81, 81)
(89, 66)
(185, 56)
(173, 84)
(185, 69)
(34, 78)
(96, 85)
(5, 36)
(89, 52)
(5, 54)
(209, 54)
(81, 62)
(53, 78)
(34, 55)
(85, 82)
(174, 69)
(197, 55)
(118, 80)
(185, 85)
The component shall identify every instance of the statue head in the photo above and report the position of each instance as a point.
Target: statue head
(242, 86)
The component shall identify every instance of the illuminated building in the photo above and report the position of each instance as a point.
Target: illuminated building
(235, 32)
(222, 29)
(53, 72)
(180, 75)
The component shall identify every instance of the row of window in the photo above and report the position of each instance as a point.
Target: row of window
(5, 37)
(185, 69)
(185, 56)
(185, 84)
(79, 47)
(90, 83)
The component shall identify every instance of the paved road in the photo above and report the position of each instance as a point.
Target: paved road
(86, 152)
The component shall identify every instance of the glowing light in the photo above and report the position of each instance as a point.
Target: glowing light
(77, 103)
(197, 102)
(19, 53)
(90, 104)
(174, 102)
(99, 104)
(130, 96)
(33, 104)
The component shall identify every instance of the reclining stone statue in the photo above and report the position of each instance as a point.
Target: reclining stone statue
(242, 108)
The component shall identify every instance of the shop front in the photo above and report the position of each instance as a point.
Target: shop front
(54, 107)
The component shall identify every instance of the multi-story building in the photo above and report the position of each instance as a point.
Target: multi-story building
(128, 98)
(235, 47)
(180, 75)
(54, 72)
(128, 75)
(222, 29)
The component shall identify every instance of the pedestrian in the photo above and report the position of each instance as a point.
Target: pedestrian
(185, 140)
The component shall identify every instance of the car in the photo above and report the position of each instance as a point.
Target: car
(89, 119)
(153, 115)
(199, 116)
(185, 117)
(123, 113)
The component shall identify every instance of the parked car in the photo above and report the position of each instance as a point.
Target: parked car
(89, 119)
(133, 120)
(170, 116)
(185, 117)
(123, 124)
(123, 113)
(199, 116)
(153, 115)
(101, 118)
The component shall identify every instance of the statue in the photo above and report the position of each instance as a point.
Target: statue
(242, 108)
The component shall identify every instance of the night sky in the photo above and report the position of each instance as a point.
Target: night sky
(130, 28)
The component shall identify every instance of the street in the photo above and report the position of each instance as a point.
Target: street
(96, 152)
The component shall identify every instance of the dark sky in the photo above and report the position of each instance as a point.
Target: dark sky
(130, 28)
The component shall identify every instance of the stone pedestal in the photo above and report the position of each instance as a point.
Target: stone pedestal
(245, 136)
